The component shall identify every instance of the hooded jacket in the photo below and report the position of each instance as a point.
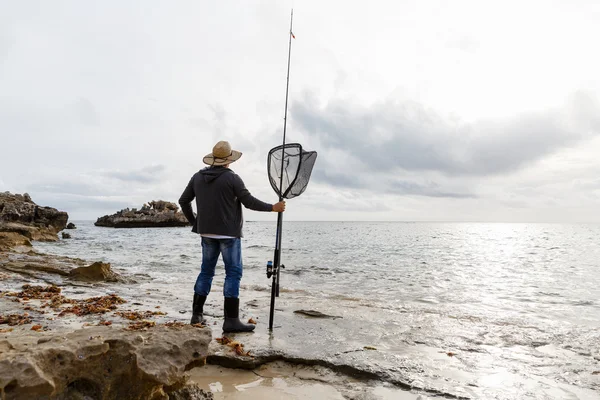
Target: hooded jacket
(219, 194)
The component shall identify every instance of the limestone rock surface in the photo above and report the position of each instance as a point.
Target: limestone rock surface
(11, 240)
(102, 363)
(98, 271)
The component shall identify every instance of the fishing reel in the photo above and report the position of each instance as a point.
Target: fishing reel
(271, 270)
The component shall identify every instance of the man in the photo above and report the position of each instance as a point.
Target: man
(219, 194)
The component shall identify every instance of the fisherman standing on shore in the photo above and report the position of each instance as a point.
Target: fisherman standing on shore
(219, 194)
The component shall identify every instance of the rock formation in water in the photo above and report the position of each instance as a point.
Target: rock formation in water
(152, 215)
(22, 220)
(96, 272)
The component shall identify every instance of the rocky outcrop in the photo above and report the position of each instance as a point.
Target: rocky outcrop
(102, 363)
(12, 240)
(152, 215)
(96, 272)
(55, 269)
(20, 215)
(71, 225)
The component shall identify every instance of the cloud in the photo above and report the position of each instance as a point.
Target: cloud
(406, 135)
(405, 149)
(86, 112)
(386, 183)
(151, 174)
(78, 203)
(88, 194)
(430, 189)
(69, 187)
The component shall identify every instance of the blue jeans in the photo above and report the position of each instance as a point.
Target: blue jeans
(231, 249)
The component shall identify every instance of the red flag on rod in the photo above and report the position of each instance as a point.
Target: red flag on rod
(292, 33)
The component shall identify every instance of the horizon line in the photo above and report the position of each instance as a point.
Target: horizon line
(415, 221)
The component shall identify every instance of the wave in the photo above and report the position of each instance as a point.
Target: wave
(583, 303)
(550, 294)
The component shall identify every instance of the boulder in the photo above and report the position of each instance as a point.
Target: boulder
(71, 225)
(10, 240)
(98, 271)
(66, 235)
(102, 363)
(19, 214)
(154, 214)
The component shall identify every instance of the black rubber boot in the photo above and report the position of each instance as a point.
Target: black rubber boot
(198, 310)
(232, 321)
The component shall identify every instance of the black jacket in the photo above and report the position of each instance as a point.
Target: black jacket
(219, 194)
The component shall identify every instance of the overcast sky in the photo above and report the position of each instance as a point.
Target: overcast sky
(419, 110)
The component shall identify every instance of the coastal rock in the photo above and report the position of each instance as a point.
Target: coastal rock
(66, 235)
(190, 392)
(152, 215)
(11, 240)
(19, 214)
(98, 271)
(102, 363)
(36, 266)
(71, 225)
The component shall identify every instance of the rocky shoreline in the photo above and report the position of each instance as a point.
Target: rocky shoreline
(75, 329)
(65, 333)
(155, 214)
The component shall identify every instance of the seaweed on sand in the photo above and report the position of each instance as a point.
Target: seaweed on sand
(236, 346)
(94, 305)
(138, 315)
(140, 326)
(15, 319)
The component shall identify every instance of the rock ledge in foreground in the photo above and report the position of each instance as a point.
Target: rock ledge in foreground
(155, 214)
(101, 363)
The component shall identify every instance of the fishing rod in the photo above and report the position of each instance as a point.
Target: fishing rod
(276, 267)
(296, 164)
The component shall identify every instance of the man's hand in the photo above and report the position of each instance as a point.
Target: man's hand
(279, 207)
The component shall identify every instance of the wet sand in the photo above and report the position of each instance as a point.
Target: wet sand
(280, 380)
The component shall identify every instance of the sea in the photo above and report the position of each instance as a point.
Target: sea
(463, 310)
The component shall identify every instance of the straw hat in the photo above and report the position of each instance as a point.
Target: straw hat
(222, 154)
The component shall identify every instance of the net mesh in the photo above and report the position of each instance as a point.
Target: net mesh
(297, 167)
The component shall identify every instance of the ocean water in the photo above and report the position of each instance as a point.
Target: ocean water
(518, 304)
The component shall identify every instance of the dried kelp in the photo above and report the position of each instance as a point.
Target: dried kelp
(94, 305)
(138, 315)
(140, 326)
(15, 319)
(236, 346)
(51, 295)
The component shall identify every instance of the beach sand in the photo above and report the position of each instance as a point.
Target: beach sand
(279, 380)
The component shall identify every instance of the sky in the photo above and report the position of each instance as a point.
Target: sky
(419, 110)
